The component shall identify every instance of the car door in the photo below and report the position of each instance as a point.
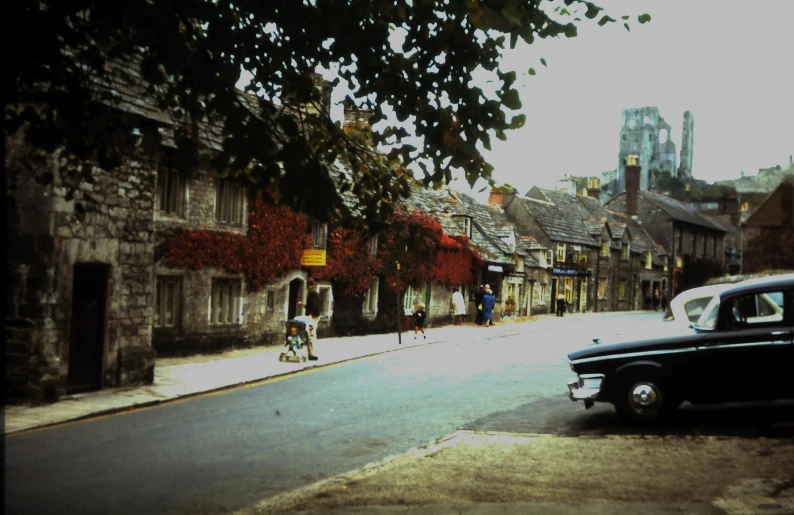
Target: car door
(750, 355)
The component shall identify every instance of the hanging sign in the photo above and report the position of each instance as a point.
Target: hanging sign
(313, 257)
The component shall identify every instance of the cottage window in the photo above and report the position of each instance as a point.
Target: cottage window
(408, 300)
(665, 264)
(229, 202)
(604, 248)
(467, 226)
(171, 192)
(680, 248)
(624, 251)
(694, 244)
(715, 246)
(326, 300)
(542, 259)
(542, 294)
(373, 246)
(270, 304)
(549, 257)
(371, 298)
(602, 288)
(225, 302)
(622, 289)
(648, 261)
(168, 291)
(319, 235)
(560, 253)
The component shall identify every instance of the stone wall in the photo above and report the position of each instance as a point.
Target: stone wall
(109, 223)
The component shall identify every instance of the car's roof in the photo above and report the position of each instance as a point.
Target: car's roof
(701, 292)
(784, 280)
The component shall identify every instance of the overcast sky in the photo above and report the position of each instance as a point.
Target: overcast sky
(730, 63)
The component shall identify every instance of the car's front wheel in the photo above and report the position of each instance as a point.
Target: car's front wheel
(642, 397)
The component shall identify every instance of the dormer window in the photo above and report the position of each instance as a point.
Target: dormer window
(465, 224)
(648, 260)
(624, 251)
(604, 247)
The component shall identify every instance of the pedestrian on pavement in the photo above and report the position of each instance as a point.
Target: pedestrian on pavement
(560, 304)
(459, 306)
(312, 306)
(478, 303)
(488, 303)
(419, 320)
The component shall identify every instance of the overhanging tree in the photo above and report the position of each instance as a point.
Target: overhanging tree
(191, 52)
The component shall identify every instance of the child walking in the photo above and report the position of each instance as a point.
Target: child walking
(419, 320)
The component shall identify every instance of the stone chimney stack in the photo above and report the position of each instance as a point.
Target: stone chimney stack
(496, 197)
(632, 184)
(592, 188)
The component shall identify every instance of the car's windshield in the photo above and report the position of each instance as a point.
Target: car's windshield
(708, 320)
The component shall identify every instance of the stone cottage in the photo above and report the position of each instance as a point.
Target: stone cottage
(694, 242)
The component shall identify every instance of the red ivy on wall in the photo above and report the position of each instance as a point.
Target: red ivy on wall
(273, 246)
(277, 237)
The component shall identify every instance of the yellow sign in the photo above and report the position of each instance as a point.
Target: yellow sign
(313, 258)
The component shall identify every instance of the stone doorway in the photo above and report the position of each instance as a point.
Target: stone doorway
(88, 323)
(295, 296)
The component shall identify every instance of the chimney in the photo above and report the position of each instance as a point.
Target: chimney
(592, 189)
(632, 184)
(496, 197)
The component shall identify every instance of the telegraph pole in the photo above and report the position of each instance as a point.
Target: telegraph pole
(399, 315)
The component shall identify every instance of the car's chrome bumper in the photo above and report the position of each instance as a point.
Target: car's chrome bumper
(585, 387)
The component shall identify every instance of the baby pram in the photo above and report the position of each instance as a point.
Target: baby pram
(295, 342)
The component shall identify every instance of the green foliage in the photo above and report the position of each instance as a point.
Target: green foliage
(189, 54)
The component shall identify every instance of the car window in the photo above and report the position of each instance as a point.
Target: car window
(695, 307)
(708, 320)
(754, 309)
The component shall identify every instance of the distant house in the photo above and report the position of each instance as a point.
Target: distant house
(768, 233)
(694, 241)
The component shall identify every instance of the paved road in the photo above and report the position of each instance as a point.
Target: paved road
(226, 451)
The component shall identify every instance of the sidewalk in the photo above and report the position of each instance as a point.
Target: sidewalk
(177, 378)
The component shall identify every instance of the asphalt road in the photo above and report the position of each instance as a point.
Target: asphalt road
(222, 452)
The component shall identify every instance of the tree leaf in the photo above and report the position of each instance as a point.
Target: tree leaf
(532, 71)
(511, 99)
(644, 18)
(543, 61)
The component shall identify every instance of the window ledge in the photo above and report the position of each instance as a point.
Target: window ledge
(602, 298)
(169, 218)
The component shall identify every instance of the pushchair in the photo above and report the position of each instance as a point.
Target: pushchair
(295, 341)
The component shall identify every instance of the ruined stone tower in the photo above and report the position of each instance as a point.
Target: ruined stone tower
(646, 135)
(685, 168)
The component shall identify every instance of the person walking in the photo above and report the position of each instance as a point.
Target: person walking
(458, 306)
(419, 320)
(478, 303)
(312, 306)
(560, 304)
(488, 303)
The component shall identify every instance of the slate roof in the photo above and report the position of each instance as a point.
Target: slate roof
(681, 211)
(640, 241)
(559, 215)
(595, 226)
(447, 206)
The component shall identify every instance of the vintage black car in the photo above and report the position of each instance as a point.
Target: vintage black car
(741, 349)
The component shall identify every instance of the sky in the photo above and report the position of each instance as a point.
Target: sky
(732, 67)
(730, 63)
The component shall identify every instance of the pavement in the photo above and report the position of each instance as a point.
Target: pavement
(179, 378)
